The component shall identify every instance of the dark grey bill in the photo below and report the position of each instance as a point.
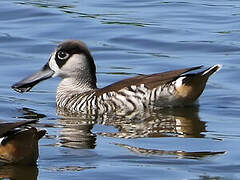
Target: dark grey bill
(30, 81)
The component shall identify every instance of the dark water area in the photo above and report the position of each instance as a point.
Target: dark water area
(126, 38)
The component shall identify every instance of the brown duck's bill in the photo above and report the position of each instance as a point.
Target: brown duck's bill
(29, 82)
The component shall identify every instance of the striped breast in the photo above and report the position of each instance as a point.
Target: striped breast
(85, 102)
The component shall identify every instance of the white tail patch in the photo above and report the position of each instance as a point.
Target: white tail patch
(179, 82)
(1, 139)
(218, 66)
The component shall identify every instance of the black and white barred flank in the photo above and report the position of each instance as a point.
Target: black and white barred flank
(129, 99)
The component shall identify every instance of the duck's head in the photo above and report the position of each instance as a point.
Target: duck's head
(71, 59)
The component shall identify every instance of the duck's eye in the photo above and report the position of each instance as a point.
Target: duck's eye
(62, 55)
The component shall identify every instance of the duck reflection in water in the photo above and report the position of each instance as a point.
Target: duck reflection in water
(76, 131)
(174, 154)
(18, 172)
(180, 122)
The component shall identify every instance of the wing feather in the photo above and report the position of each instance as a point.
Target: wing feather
(150, 81)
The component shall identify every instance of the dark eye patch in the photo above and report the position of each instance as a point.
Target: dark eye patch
(61, 57)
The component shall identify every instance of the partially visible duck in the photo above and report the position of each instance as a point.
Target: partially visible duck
(73, 62)
(19, 142)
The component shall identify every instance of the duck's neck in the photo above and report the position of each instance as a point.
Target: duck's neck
(72, 86)
(70, 90)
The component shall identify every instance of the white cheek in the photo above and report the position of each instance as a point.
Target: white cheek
(53, 65)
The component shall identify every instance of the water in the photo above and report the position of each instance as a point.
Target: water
(127, 38)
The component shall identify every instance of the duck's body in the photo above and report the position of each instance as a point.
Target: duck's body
(78, 91)
(164, 89)
(19, 143)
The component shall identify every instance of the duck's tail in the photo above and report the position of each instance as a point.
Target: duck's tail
(190, 86)
(208, 72)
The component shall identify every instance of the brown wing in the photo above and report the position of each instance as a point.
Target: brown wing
(6, 127)
(150, 81)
